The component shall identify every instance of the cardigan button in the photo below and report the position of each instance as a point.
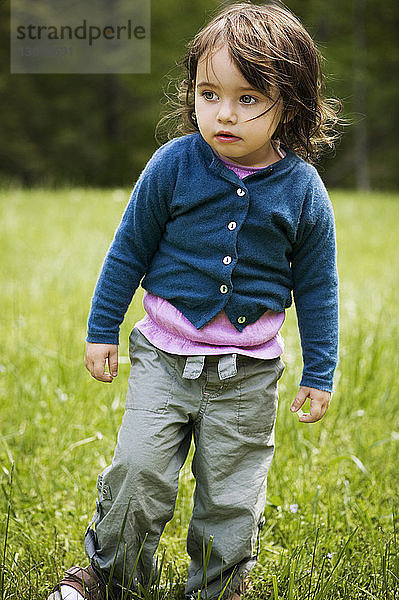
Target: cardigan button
(232, 225)
(227, 260)
(240, 192)
(223, 289)
(241, 320)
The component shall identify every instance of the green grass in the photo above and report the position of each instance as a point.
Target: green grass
(333, 486)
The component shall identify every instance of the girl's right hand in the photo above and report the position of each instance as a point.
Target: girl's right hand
(96, 358)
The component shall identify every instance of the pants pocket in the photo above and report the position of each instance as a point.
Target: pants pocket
(152, 376)
(258, 398)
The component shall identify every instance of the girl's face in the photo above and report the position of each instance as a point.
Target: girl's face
(224, 103)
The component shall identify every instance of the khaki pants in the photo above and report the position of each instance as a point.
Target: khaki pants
(228, 404)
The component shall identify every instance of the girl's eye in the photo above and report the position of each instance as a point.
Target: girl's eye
(247, 99)
(208, 95)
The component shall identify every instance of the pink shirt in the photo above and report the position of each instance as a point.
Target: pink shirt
(169, 330)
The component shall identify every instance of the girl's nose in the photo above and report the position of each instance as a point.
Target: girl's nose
(226, 113)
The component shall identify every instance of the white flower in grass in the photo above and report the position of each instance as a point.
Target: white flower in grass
(294, 508)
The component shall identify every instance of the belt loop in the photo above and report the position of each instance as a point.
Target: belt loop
(227, 366)
(193, 367)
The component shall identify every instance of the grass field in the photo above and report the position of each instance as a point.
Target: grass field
(331, 515)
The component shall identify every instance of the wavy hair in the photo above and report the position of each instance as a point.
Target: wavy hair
(271, 49)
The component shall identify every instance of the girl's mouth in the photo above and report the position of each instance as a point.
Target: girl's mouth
(226, 137)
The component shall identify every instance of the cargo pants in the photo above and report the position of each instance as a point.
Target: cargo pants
(228, 404)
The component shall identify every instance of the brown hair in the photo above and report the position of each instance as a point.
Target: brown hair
(271, 48)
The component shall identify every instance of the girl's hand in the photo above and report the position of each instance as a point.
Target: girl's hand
(319, 402)
(96, 358)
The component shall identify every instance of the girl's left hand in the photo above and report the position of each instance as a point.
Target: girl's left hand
(319, 401)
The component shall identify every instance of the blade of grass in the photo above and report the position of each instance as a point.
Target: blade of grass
(324, 589)
(313, 562)
(130, 580)
(226, 585)
(3, 566)
(111, 573)
(206, 556)
(275, 586)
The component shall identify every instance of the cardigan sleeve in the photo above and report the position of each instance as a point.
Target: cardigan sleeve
(315, 287)
(132, 249)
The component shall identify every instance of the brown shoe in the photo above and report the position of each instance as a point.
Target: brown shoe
(83, 580)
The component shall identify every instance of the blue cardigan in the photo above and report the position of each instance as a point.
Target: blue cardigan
(188, 211)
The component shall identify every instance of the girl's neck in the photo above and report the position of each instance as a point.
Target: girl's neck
(274, 157)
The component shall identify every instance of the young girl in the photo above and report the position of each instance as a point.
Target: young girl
(224, 223)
